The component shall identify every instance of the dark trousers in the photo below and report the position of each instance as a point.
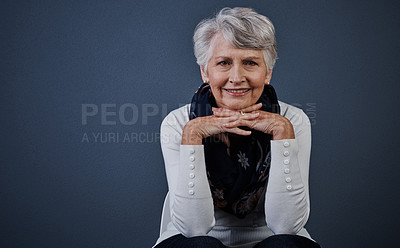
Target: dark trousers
(276, 241)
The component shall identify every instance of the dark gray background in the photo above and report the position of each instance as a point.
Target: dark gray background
(337, 61)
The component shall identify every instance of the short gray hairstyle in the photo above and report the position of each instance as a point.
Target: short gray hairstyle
(243, 28)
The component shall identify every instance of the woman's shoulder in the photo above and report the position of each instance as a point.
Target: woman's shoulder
(288, 110)
(177, 118)
(294, 114)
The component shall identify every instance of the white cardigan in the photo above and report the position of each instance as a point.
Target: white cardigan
(284, 209)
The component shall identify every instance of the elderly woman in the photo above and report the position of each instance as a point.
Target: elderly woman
(236, 158)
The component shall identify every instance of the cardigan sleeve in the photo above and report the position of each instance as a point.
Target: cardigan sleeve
(191, 204)
(287, 199)
(287, 204)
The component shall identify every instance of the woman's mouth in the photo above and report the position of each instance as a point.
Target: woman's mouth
(237, 92)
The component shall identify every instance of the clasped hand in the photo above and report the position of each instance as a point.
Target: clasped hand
(228, 121)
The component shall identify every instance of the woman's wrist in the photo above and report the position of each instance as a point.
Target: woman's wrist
(282, 137)
(190, 135)
(283, 131)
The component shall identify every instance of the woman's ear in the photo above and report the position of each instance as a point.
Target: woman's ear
(268, 77)
(204, 75)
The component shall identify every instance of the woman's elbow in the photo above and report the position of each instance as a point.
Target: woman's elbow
(193, 228)
(288, 226)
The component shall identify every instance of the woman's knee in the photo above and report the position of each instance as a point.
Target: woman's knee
(180, 241)
(287, 241)
(204, 242)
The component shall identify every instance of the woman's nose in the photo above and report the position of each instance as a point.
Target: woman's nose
(237, 74)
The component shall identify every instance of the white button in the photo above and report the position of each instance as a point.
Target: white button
(288, 180)
(286, 161)
(191, 184)
(191, 150)
(191, 158)
(289, 187)
(286, 153)
(286, 144)
(191, 175)
(191, 192)
(287, 170)
(191, 166)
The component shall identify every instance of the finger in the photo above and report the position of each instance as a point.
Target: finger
(237, 130)
(223, 110)
(241, 122)
(225, 113)
(236, 114)
(214, 109)
(252, 107)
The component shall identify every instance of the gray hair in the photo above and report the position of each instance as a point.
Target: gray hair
(243, 28)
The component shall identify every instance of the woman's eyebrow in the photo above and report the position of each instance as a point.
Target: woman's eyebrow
(222, 57)
(251, 58)
(245, 58)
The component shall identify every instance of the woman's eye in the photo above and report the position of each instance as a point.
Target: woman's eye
(222, 63)
(250, 63)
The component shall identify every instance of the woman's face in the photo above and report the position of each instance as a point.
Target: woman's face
(236, 76)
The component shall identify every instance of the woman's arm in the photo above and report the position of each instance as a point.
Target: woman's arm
(192, 209)
(287, 203)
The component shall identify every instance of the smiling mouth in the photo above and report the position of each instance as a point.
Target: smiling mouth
(237, 91)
